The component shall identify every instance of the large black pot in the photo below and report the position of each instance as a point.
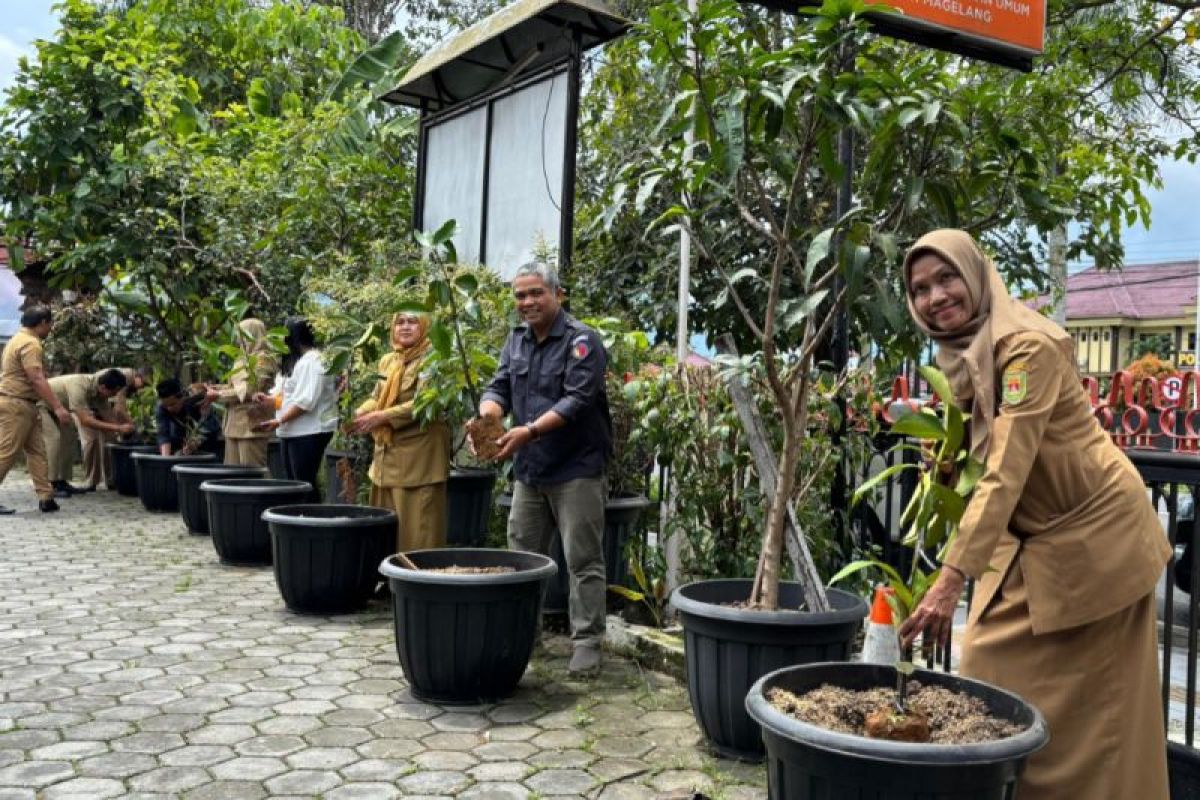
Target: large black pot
(235, 508)
(805, 762)
(468, 505)
(192, 505)
(1183, 765)
(621, 516)
(327, 557)
(466, 638)
(729, 648)
(124, 472)
(156, 484)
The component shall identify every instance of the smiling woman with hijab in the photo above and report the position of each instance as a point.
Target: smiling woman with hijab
(253, 372)
(411, 463)
(1059, 535)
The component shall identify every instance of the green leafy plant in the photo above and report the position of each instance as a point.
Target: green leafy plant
(471, 310)
(227, 350)
(630, 357)
(947, 475)
(649, 585)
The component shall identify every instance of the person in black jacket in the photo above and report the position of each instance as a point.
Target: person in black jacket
(551, 379)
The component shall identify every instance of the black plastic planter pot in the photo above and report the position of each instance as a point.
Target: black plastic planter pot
(192, 505)
(621, 516)
(1183, 763)
(468, 504)
(327, 557)
(156, 484)
(124, 472)
(805, 762)
(466, 638)
(235, 508)
(729, 648)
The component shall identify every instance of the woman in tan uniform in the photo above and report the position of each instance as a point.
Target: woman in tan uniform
(1059, 535)
(411, 464)
(253, 372)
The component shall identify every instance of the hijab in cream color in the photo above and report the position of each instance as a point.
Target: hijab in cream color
(395, 376)
(967, 355)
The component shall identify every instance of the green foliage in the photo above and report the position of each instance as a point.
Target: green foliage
(940, 141)
(471, 314)
(946, 476)
(1161, 345)
(630, 358)
(161, 155)
(650, 585)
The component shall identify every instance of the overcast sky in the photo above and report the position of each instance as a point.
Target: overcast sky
(1173, 234)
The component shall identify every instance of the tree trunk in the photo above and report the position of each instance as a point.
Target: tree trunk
(765, 465)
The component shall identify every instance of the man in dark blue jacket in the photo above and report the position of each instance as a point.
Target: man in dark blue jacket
(551, 379)
(184, 422)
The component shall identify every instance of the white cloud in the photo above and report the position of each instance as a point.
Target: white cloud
(10, 52)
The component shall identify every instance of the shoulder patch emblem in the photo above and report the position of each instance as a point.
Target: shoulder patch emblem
(1016, 384)
(579, 348)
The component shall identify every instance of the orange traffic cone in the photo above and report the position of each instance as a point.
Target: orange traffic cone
(880, 646)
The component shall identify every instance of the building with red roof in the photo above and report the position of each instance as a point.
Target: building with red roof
(1108, 311)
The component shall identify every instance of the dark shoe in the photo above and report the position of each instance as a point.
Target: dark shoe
(83, 489)
(5, 511)
(62, 492)
(585, 660)
(46, 506)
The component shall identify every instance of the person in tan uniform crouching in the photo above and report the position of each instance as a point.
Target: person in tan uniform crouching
(1059, 535)
(253, 373)
(411, 463)
(81, 394)
(22, 383)
(97, 460)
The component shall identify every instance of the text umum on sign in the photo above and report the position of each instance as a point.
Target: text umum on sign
(1017, 23)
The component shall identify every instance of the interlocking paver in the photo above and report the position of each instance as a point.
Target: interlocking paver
(85, 789)
(118, 684)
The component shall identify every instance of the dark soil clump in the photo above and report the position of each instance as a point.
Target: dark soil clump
(457, 570)
(954, 718)
(483, 432)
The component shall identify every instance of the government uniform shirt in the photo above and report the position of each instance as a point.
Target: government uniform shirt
(23, 351)
(563, 373)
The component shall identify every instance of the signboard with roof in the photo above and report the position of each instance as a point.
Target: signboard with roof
(498, 104)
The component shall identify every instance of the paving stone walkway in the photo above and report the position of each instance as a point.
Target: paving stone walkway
(132, 664)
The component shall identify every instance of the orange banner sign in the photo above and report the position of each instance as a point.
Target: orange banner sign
(1015, 23)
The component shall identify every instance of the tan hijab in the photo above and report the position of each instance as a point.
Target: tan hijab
(253, 342)
(399, 366)
(967, 355)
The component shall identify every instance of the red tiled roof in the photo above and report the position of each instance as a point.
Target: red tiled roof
(1139, 291)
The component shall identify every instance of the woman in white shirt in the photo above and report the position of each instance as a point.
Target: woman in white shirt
(306, 399)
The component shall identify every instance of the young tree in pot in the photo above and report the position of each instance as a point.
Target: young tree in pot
(466, 619)
(946, 476)
(767, 107)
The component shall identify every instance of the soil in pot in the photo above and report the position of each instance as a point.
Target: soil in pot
(456, 570)
(952, 717)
